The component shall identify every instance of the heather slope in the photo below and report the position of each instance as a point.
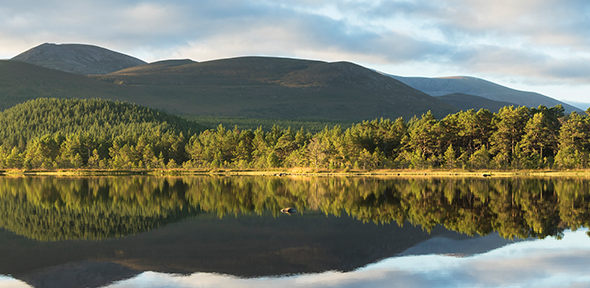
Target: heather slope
(21, 82)
(267, 87)
(252, 87)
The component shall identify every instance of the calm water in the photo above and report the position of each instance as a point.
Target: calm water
(348, 232)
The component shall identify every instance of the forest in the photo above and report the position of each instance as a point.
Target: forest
(99, 134)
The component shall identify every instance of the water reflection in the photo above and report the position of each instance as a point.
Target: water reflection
(234, 226)
(541, 263)
(96, 208)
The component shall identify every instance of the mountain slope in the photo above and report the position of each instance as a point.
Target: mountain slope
(267, 87)
(20, 82)
(77, 58)
(254, 87)
(466, 102)
(482, 88)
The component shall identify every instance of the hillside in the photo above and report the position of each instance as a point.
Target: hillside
(20, 82)
(253, 87)
(74, 133)
(482, 88)
(77, 58)
(103, 118)
(266, 87)
(466, 102)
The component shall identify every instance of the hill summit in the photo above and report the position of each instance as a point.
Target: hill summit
(78, 58)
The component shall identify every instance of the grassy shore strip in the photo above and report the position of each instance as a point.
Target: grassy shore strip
(299, 172)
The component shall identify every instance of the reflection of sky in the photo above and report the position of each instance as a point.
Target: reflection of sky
(539, 264)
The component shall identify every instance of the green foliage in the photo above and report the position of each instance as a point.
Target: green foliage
(48, 208)
(51, 209)
(74, 133)
(53, 133)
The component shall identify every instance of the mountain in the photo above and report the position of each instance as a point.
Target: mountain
(482, 88)
(466, 102)
(77, 58)
(253, 87)
(267, 87)
(20, 82)
(312, 243)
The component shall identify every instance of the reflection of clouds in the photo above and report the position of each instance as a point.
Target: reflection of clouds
(7, 282)
(541, 264)
(544, 264)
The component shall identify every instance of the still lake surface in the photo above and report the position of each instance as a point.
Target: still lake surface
(214, 231)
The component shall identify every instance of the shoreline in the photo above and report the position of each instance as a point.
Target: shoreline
(298, 172)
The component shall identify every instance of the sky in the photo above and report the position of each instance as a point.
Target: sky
(533, 45)
(543, 263)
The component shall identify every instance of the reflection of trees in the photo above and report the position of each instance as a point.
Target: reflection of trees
(66, 208)
(59, 209)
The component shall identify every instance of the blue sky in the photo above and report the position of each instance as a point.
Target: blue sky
(534, 45)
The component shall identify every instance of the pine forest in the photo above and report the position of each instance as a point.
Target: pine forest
(99, 134)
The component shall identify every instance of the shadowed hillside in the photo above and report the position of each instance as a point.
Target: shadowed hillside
(466, 102)
(267, 87)
(252, 87)
(20, 82)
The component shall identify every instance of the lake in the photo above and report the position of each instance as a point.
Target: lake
(214, 231)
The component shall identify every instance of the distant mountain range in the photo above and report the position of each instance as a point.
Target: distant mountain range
(255, 87)
(479, 87)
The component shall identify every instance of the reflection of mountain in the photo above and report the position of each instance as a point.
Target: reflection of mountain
(458, 247)
(78, 274)
(248, 246)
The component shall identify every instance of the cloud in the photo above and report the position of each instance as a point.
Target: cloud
(535, 39)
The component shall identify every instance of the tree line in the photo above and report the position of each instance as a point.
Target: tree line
(99, 134)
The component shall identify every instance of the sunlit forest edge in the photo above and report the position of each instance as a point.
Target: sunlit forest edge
(98, 135)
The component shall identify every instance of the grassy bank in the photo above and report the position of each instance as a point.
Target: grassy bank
(299, 172)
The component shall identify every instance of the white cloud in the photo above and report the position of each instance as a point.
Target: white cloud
(539, 41)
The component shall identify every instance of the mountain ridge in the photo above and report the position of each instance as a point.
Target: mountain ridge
(343, 91)
(251, 86)
(480, 87)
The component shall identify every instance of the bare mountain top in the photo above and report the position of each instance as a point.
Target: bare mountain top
(480, 87)
(77, 58)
